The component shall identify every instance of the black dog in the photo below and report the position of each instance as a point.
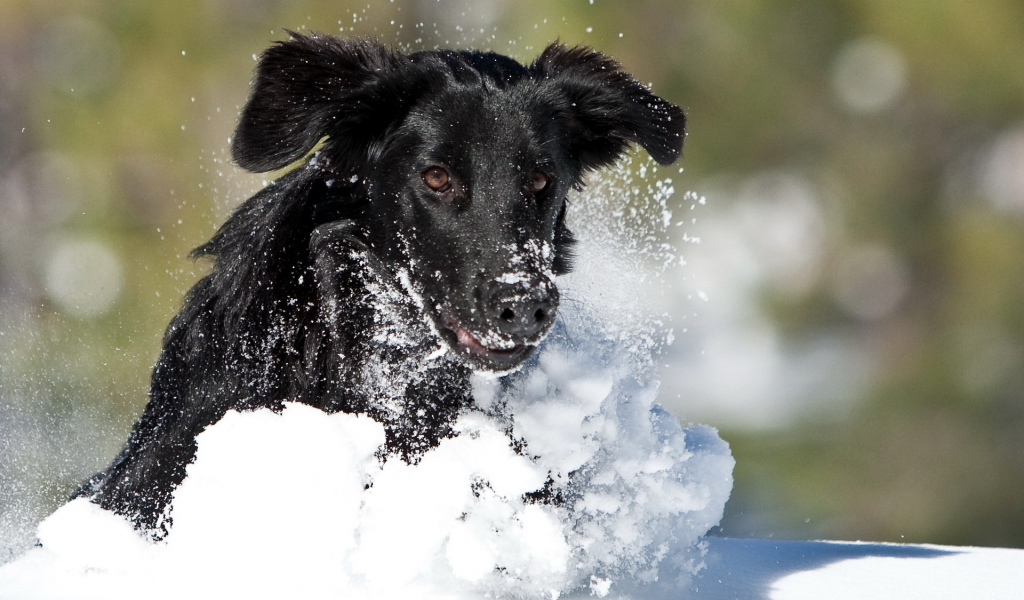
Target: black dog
(417, 245)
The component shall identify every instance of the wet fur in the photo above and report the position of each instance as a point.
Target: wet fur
(324, 284)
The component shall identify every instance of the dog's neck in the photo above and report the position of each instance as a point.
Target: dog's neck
(393, 365)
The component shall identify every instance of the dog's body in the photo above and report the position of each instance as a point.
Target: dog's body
(419, 244)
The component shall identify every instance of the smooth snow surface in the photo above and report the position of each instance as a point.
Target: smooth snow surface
(785, 570)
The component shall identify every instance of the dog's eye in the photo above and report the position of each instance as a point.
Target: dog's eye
(437, 179)
(538, 182)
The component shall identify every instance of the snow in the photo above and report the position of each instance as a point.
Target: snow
(791, 570)
(734, 569)
(953, 573)
(300, 501)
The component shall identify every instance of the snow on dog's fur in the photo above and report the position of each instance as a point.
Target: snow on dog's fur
(419, 244)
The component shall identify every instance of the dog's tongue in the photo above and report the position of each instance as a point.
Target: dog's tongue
(474, 345)
(466, 339)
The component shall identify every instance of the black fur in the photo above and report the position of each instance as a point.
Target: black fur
(352, 285)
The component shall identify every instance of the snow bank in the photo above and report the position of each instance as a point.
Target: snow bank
(299, 502)
(566, 477)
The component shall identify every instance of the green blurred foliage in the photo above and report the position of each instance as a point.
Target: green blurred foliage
(932, 452)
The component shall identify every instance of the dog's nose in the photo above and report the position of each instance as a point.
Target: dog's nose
(522, 309)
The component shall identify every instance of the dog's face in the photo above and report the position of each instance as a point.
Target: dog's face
(475, 185)
(465, 159)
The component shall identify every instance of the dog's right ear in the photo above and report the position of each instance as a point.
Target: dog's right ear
(308, 87)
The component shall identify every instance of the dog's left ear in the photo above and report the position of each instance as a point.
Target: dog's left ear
(312, 86)
(604, 109)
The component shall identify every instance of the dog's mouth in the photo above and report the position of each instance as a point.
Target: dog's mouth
(497, 353)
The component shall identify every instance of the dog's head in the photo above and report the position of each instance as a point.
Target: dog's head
(465, 160)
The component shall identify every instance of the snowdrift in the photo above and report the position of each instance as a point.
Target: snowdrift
(567, 477)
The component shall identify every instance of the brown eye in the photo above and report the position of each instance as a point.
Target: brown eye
(437, 179)
(538, 182)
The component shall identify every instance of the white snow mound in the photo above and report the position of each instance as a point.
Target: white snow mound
(298, 504)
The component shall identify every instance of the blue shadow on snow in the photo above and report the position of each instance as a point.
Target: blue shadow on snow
(746, 568)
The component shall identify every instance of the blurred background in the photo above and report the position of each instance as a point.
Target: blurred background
(851, 314)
